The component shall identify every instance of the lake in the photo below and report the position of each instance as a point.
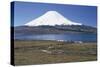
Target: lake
(65, 37)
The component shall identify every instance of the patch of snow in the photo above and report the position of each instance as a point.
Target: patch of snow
(46, 51)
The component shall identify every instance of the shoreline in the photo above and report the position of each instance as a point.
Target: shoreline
(69, 41)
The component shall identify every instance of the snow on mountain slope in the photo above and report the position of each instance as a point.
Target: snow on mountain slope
(51, 18)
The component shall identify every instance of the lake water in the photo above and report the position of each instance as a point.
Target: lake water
(66, 37)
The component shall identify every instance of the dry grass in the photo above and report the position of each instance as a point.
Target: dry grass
(30, 52)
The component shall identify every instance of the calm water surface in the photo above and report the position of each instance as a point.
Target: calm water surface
(66, 37)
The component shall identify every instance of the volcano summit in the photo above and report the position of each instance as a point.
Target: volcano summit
(51, 18)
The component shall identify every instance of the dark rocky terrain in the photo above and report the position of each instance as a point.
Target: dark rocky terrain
(62, 29)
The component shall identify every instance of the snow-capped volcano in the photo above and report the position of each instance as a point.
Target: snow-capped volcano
(51, 18)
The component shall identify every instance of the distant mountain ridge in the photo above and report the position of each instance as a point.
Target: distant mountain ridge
(58, 29)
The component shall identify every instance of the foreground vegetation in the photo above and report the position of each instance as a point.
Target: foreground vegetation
(45, 52)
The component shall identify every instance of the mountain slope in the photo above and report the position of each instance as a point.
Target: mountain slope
(51, 18)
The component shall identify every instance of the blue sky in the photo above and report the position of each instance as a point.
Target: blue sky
(27, 11)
